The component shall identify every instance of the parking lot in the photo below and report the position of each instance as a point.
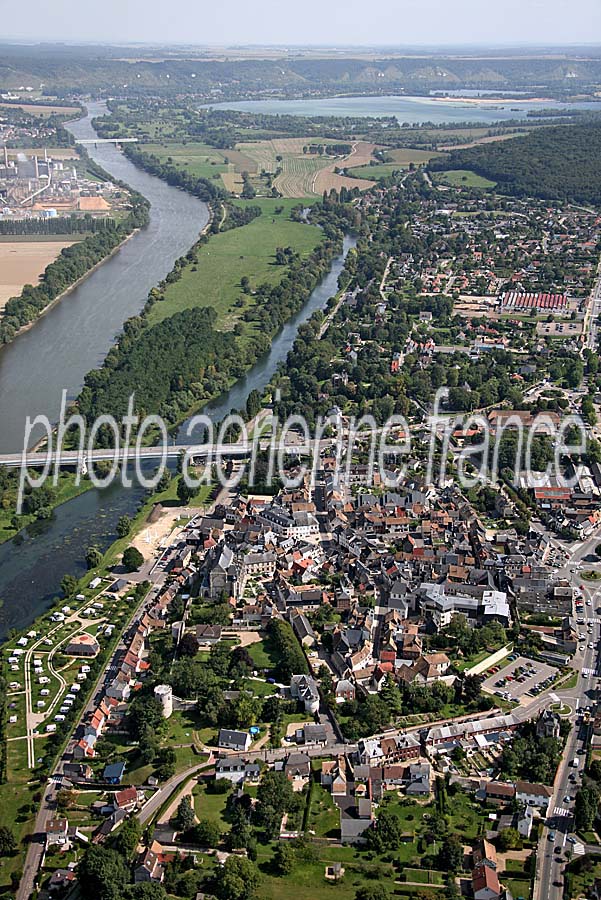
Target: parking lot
(514, 681)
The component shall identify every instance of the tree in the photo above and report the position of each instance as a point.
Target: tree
(283, 859)
(164, 481)
(509, 839)
(123, 526)
(207, 833)
(184, 491)
(387, 834)
(102, 873)
(66, 800)
(275, 792)
(148, 891)
(132, 559)
(185, 818)
(372, 892)
(93, 557)
(145, 717)
(585, 809)
(8, 844)
(253, 403)
(127, 838)
(69, 585)
(188, 646)
(239, 880)
(451, 854)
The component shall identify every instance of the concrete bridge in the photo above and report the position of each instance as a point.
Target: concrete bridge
(117, 140)
(74, 458)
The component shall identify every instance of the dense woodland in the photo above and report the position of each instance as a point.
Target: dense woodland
(560, 163)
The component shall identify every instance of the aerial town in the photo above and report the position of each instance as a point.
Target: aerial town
(300, 461)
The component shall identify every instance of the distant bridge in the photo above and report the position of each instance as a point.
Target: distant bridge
(108, 141)
(76, 459)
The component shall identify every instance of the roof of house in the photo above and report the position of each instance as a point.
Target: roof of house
(126, 796)
(485, 877)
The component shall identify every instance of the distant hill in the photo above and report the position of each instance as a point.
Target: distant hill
(64, 69)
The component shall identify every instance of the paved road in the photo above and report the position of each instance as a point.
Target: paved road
(560, 824)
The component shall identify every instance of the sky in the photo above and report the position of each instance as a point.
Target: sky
(321, 22)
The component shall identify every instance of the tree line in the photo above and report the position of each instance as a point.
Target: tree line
(72, 264)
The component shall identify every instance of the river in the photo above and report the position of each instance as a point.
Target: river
(75, 335)
(33, 564)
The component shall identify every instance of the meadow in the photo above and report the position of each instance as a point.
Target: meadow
(464, 178)
(214, 280)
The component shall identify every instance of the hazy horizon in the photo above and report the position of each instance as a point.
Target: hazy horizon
(420, 23)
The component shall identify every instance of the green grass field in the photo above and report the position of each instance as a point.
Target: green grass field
(228, 256)
(373, 173)
(198, 159)
(263, 654)
(464, 178)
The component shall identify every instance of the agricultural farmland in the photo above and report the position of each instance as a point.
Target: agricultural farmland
(303, 174)
(294, 172)
(24, 261)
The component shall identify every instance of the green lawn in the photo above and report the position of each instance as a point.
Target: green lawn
(518, 887)
(423, 876)
(464, 178)
(263, 654)
(211, 806)
(324, 816)
(228, 256)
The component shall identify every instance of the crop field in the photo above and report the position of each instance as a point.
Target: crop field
(299, 175)
(405, 156)
(214, 280)
(36, 109)
(241, 161)
(361, 155)
(328, 180)
(373, 173)
(262, 153)
(232, 181)
(305, 175)
(22, 262)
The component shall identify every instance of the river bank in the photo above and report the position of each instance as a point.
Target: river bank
(73, 337)
(72, 287)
